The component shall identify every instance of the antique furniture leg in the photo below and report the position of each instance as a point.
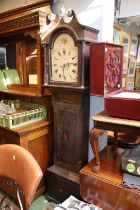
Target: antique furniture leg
(115, 143)
(94, 134)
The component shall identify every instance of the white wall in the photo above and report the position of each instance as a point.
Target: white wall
(129, 8)
(98, 14)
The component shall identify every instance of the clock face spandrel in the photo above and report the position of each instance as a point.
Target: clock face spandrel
(64, 60)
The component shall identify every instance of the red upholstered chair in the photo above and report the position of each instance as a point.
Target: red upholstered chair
(20, 176)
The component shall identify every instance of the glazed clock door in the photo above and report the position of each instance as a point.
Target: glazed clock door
(66, 118)
(64, 60)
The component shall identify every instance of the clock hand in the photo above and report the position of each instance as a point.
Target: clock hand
(67, 65)
(63, 70)
(64, 51)
(75, 64)
(59, 53)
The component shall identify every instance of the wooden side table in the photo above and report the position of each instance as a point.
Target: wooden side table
(117, 125)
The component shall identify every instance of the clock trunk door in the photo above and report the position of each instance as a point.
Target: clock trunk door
(66, 117)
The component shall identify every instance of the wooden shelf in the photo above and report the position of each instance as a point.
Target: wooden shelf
(19, 92)
(25, 91)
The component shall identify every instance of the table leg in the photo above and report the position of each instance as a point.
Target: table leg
(115, 145)
(94, 135)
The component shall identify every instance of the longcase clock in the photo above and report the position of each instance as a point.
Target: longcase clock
(67, 77)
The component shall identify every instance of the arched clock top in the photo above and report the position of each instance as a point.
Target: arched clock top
(79, 31)
(68, 33)
(66, 54)
(64, 58)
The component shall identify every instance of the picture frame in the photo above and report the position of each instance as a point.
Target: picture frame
(125, 64)
(130, 85)
(137, 78)
(117, 35)
(131, 67)
(134, 46)
(124, 80)
(138, 51)
(126, 43)
(130, 81)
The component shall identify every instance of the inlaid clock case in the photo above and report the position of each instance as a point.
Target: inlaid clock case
(67, 77)
(70, 94)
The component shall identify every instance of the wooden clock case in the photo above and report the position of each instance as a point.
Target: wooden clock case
(18, 28)
(71, 113)
(106, 80)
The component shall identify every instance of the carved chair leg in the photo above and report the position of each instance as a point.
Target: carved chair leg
(94, 135)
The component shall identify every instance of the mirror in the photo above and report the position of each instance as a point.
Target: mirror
(18, 59)
(31, 58)
(3, 58)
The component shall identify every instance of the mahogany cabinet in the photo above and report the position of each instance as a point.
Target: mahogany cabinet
(106, 65)
(106, 69)
(37, 138)
(21, 32)
(21, 35)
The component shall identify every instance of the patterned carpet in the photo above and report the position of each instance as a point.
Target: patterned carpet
(71, 203)
(46, 203)
(41, 203)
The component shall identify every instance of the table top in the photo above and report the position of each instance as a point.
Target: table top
(103, 117)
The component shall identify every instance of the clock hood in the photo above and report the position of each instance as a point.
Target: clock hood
(81, 32)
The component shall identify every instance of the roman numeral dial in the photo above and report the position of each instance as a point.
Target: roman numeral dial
(64, 59)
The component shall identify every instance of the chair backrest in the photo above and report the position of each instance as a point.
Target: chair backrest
(19, 165)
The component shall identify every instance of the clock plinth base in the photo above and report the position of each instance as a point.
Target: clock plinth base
(62, 183)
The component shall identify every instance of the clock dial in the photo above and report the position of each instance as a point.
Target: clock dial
(64, 59)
